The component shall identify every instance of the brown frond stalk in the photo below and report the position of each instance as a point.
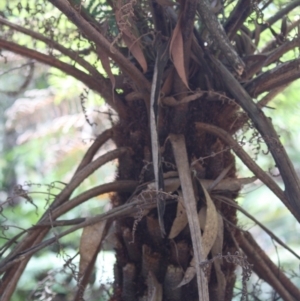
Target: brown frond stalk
(89, 155)
(217, 32)
(283, 74)
(272, 57)
(264, 125)
(91, 33)
(266, 269)
(89, 80)
(258, 172)
(237, 17)
(15, 263)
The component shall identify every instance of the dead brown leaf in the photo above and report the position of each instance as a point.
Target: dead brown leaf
(106, 66)
(124, 15)
(177, 53)
(172, 102)
(135, 95)
(91, 238)
(136, 50)
(180, 220)
(167, 85)
(211, 223)
(208, 219)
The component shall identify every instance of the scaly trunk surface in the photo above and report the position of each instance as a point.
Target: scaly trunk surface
(142, 253)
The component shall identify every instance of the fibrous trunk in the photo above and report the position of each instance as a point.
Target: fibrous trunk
(149, 263)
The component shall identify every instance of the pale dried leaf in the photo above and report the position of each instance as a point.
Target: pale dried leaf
(181, 159)
(155, 148)
(180, 220)
(170, 101)
(155, 291)
(220, 177)
(171, 184)
(215, 251)
(167, 85)
(134, 96)
(229, 184)
(177, 53)
(91, 238)
(209, 237)
(211, 224)
(192, 97)
(218, 244)
(189, 274)
(202, 217)
(170, 174)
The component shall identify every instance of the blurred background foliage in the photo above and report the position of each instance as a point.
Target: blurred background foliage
(44, 132)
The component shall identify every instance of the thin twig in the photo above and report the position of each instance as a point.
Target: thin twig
(271, 45)
(15, 68)
(60, 223)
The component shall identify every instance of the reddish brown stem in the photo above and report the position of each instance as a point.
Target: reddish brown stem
(283, 74)
(272, 57)
(264, 125)
(226, 137)
(93, 35)
(89, 155)
(266, 269)
(92, 82)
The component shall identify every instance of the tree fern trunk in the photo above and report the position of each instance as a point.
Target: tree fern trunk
(146, 261)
